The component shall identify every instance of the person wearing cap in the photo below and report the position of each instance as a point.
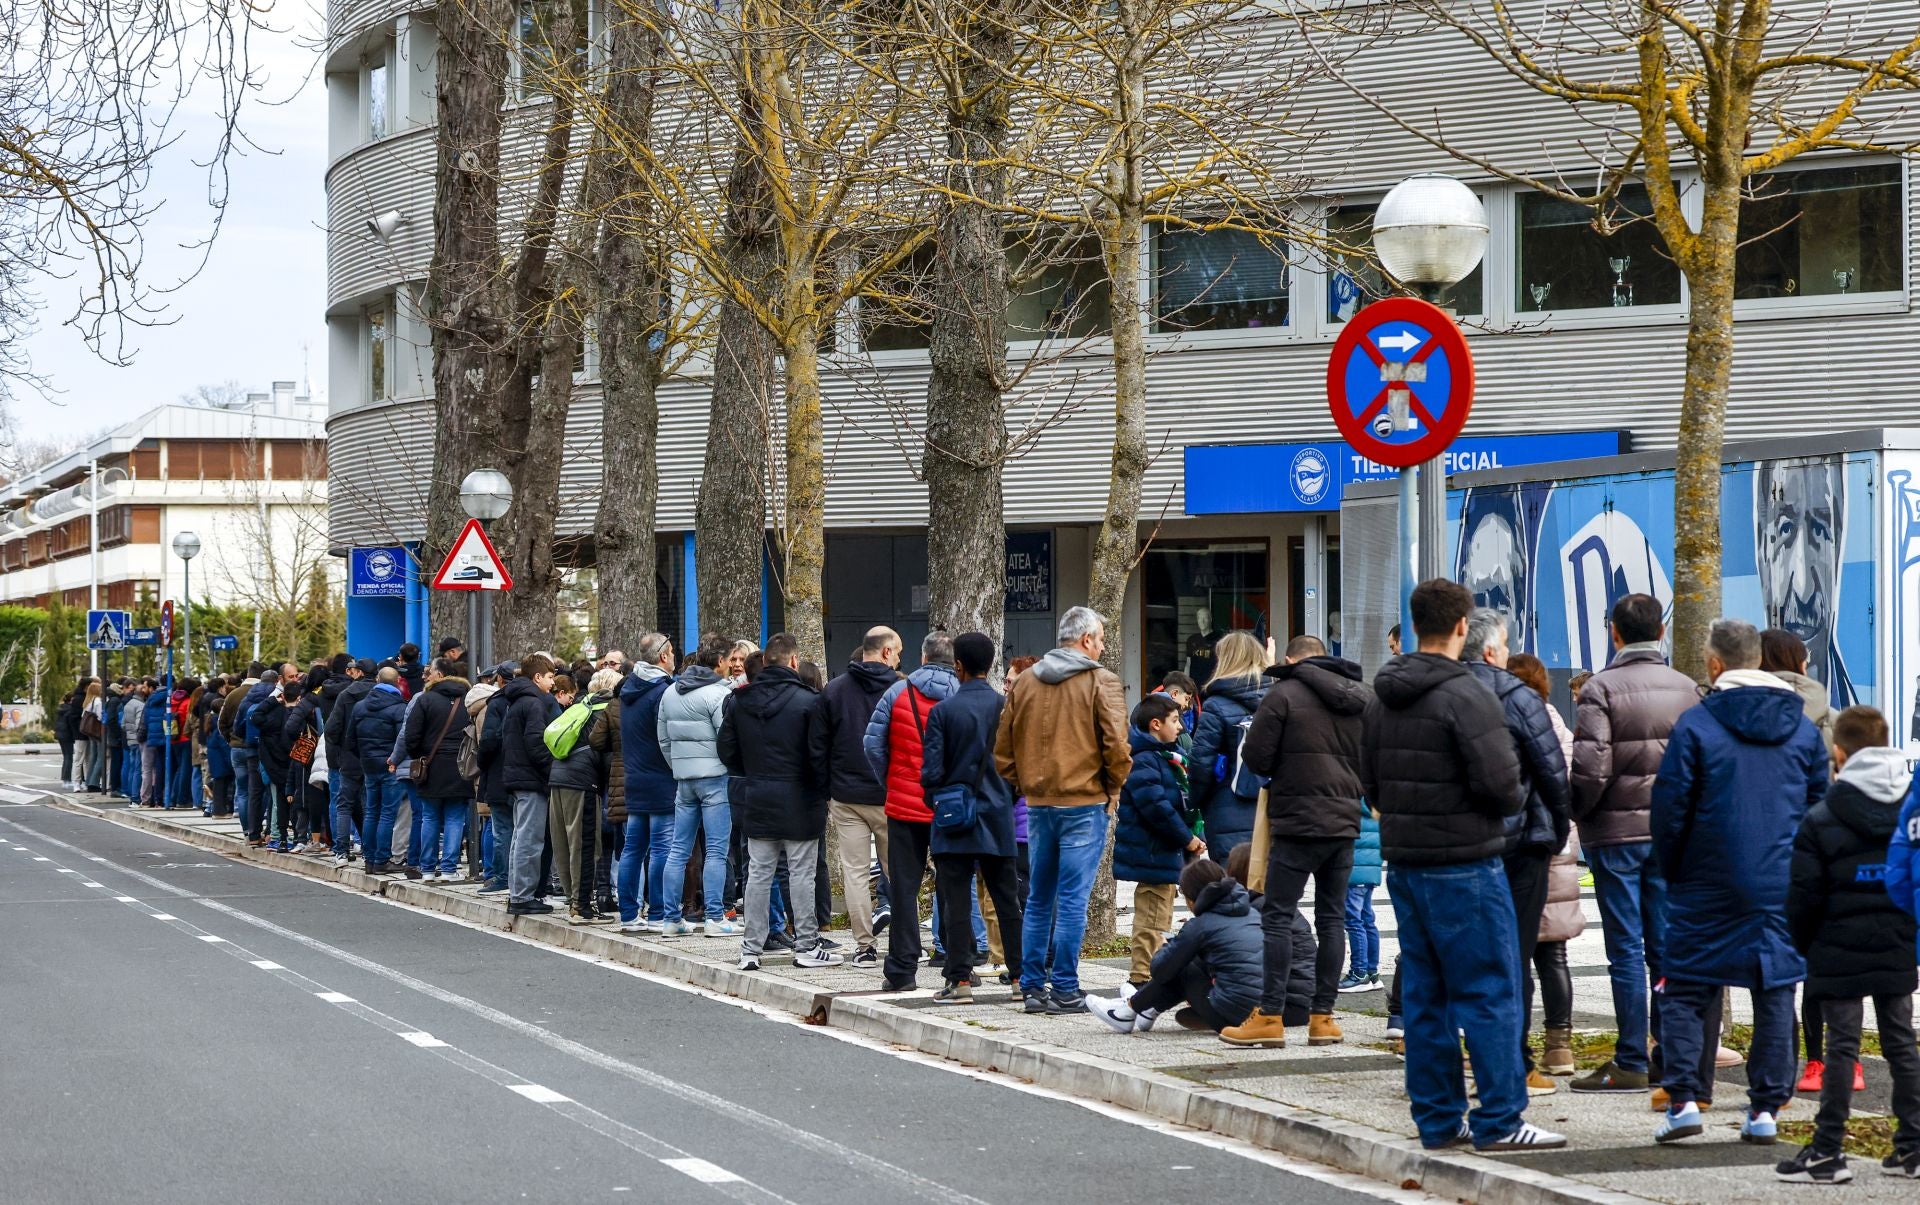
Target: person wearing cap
(453, 649)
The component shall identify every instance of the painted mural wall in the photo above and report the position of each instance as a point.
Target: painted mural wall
(1798, 539)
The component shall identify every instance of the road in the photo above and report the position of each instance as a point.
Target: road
(179, 1026)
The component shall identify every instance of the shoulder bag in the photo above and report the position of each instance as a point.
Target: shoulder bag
(421, 765)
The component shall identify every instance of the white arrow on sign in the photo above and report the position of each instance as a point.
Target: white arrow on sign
(1404, 341)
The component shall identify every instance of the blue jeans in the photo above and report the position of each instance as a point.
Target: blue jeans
(443, 830)
(702, 804)
(416, 817)
(1363, 935)
(1460, 968)
(500, 823)
(130, 772)
(246, 785)
(1633, 920)
(382, 806)
(349, 792)
(1063, 849)
(648, 838)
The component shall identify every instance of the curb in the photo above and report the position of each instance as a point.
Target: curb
(1301, 1133)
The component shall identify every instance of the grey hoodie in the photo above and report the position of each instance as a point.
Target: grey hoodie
(1879, 773)
(1060, 664)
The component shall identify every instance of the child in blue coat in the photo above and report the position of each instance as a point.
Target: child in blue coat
(1154, 828)
(1363, 934)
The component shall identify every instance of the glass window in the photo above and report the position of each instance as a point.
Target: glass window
(541, 63)
(377, 100)
(376, 355)
(1822, 233)
(1216, 280)
(1194, 593)
(1355, 281)
(1565, 264)
(1057, 290)
(897, 314)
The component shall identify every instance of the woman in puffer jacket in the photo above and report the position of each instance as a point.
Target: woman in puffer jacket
(1228, 700)
(1562, 921)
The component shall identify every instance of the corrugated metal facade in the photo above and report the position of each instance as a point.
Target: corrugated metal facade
(1834, 371)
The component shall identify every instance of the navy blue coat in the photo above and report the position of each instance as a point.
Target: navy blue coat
(1224, 934)
(1224, 704)
(959, 749)
(159, 709)
(374, 724)
(1740, 771)
(1151, 828)
(1547, 817)
(650, 787)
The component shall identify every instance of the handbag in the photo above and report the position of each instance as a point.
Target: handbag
(1262, 846)
(90, 726)
(420, 765)
(303, 747)
(955, 808)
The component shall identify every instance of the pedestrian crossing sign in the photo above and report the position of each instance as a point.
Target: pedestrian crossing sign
(107, 630)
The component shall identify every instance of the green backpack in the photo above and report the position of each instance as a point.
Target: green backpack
(565, 731)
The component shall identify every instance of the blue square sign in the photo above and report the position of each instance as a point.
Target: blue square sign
(377, 573)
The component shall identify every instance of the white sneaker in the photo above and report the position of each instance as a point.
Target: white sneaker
(675, 928)
(1143, 1021)
(299, 847)
(1528, 1137)
(991, 969)
(818, 956)
(636, 925)
(432, 876)
(1114, 1012)
(749, 963)
(340, 863)
(718, 928)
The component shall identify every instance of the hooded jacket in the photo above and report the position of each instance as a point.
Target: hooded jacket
(689, 723)
(773, 745)
(1545, 821)
(1856, 940)
(1366, 850)
(1306, 738)
(846, 706)
(1437, 763)
(584, 768)
(959, 751)
(487, 788)
(1739, 774)
(1153, 826)
(1620, 731)
(526, 710)
(159, 710)
(646, 779)
(1903, 860)
(351, 696)
(1224, 933)
(426, 717)
(1225, 704)
(373, 727)
(1063, 733)
(244, 732)
(133, 721)
(894, 741)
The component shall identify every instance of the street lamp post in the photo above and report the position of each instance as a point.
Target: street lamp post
(186, 546)
(485, 494)
(1430, 232)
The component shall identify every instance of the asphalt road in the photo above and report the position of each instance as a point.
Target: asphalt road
(178, 1026)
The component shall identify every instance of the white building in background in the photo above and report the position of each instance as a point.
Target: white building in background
(249, 479)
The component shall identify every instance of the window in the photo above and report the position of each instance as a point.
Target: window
(1216, 280)
(1828, 233)
(377, 98)
(1057, 289)
(1565, 264)
(896, 314)
(1355, 282)
(538, 64)
(376, 355)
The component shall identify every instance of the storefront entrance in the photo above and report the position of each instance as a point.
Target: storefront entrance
(1194, 592)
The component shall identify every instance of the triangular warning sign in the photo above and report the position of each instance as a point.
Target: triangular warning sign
(473, 564)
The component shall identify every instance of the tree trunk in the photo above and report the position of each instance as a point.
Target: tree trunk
(804, 483)
(525, 537)
(730, 520)
(966, 434)
(1703, 428)
(468, 331)
(633, 335)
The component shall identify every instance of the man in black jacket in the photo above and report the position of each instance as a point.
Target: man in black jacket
(774, 745)
(1437, 764)
(1305, 740)
(370, 733)
(1544, 822)
(856, 800)
(526, 708)
(347, 780)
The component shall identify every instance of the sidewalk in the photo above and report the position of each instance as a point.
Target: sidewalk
(1341, 1105)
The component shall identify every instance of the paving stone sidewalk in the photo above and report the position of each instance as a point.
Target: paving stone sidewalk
(1345, 1104)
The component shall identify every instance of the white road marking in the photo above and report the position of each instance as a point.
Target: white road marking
(163, 916)
(65, 870)
(266, 965)
(43, 859)
(336, 997)
(425, 1041)
(211, 937)
(701, 1170)
(541, 1095)
(125, 899)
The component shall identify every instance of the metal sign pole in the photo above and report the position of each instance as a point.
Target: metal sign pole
(166, 734)
(1409, 548)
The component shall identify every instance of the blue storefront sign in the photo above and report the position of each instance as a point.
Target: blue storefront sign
(1239, 479)
(377, 573)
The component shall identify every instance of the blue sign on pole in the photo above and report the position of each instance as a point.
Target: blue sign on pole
(143, 635)
(224, 644)
(377, 573)
(107, 630)
(1235, 479)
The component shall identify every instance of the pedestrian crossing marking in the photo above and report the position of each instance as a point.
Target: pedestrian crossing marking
(701, 1170)
(539, 1094)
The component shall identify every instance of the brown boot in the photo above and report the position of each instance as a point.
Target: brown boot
(1259, 1029)
(1558, 1057)
(1323, 1030)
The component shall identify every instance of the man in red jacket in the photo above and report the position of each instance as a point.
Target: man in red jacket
(894, 741)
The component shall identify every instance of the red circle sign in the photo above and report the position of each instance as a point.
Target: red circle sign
(1408, 346)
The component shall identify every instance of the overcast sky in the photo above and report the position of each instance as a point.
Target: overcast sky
(257, 309)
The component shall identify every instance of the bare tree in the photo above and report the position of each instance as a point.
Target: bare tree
(1731, 91)
(223, 395)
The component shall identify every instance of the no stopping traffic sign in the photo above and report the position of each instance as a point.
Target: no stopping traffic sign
(1400, 345)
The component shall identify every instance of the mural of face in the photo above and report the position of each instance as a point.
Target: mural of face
(1799, 509)
(1495, 570)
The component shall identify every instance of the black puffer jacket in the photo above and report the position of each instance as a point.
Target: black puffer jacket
(1306, 738)
(1225, 932)
(1216, 737)
(584, 768)
(336, 726)
(425, 720)
(846, 705)
(374, 726)
(1857, 941)
(1547, 818)
(525, 764)
(1437, 764)
(775, 747)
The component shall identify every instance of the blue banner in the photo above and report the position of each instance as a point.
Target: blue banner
(1238, 479)
(377, 573)
(224, 644)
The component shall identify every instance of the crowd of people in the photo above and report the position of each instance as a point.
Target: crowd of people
(1741, 835)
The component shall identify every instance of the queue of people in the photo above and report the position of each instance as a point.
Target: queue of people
(1743, 835)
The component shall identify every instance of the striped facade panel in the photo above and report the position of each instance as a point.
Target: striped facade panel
(393, 173)
(348, 17)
